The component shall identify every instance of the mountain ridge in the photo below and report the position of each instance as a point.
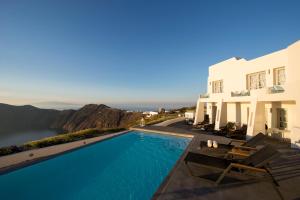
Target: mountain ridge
(28, 117)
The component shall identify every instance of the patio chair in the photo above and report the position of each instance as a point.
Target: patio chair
(257, 162)
(203, 123)
(243, 149)
(262, 139)
(247, 146)
(252, 142)
(239, 133)
(209, 127)
(205, 127)
(224, 130)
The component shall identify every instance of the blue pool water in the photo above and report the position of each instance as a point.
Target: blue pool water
(130, 166)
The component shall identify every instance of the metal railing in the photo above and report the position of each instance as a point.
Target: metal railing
(240, 93)
(204, 95)
(275, 89)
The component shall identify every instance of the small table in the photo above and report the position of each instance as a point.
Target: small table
(220, 152)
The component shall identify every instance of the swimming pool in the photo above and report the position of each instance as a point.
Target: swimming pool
(130, 166)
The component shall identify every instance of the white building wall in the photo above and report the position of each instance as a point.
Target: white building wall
(245, 109)
(294, 82)
(269, 113)
(261, 103)
(199, 114)
(259, 119)
(231, 112)
(234, 71)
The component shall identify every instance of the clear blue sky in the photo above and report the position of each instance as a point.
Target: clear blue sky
(131, 51)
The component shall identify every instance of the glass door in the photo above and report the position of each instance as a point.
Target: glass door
(282, 118)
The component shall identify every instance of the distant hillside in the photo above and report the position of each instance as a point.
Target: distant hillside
(61, 119)
(99, 116)
(21, 118)
(183, 109)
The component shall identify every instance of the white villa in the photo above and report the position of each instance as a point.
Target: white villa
(190, 114)
(150, 113)
(258, 92)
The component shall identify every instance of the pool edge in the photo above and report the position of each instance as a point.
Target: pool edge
(166, 180)
(163, 132)
(24, 161)
(163, 185)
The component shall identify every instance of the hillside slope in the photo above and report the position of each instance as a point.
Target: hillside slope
(22, 118)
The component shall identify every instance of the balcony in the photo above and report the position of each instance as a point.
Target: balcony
(275, 89)
(240, 93)
(202, 96)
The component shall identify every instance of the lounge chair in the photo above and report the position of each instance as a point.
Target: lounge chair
(231, 149)
(246, 147)
(231, 130)
(252, 142)
(209, 127)
(239, 133)
(229, 127)
(204, 127)
(242, 148)
(262, 139)
(256, 162)
(203, 123)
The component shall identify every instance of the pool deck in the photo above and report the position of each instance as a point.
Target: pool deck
(170, 121)
(179, 184)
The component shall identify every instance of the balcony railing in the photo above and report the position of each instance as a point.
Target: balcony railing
(204, 95)
(275, 89)
(240, 93)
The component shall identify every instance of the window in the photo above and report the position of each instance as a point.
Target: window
(262, 80)
(256, 80)
(217, 86)
(281, 118)
(279, 76)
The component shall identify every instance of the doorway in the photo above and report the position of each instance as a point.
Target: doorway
(214, 113)
(281, 118)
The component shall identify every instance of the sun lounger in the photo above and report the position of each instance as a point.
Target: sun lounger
(232, 130)
(243, 149)
(252, 142)
(239, 133)
(262, 139)
(255, 163)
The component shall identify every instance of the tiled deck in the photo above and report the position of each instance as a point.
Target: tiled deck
(181, 185)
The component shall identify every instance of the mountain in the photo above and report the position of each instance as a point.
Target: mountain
(61, 119)
(99, 116)
(22, 118)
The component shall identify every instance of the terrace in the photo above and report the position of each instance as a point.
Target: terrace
(181, 185)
